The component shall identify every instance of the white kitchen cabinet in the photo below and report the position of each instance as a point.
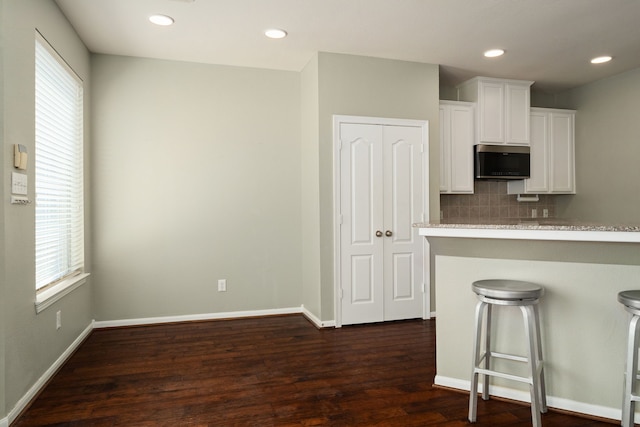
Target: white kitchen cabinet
(502, 109)
(456, 147)
(552, 154)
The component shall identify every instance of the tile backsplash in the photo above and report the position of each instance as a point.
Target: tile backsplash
(491, 204)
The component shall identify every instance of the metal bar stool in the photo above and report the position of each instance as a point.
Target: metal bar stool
(631, 302)
(508, 293)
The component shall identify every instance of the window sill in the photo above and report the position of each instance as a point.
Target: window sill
(46, 298)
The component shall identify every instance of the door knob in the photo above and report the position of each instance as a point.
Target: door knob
(388, 233)
(379, 233)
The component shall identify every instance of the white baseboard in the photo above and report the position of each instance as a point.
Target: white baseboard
(42, 381)
(522, 396)
(316, 321)
(193, 317)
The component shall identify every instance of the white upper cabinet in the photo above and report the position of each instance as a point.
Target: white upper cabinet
(456, 147)
(562, 153)
(502, 109)
(539, 146)
(552, 154)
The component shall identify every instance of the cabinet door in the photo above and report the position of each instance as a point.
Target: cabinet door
(461, 141)
(491, 112)
(539, 181)
(562, 156)
(445, 148)
(517, 113)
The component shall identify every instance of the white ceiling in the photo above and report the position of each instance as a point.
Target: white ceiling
(547, 41)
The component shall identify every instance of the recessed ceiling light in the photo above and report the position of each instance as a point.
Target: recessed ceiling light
(494, 53)
(601, 59)
(163, 20)
(275, 33)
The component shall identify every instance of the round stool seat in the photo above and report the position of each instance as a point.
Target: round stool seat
(630, 299)
(508, 289)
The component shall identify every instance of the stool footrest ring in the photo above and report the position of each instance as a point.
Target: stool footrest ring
(504, 375)
(505, 356)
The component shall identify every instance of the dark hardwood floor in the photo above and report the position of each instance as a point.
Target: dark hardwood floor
(275, 371)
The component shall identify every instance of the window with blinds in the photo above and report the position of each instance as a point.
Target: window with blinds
(58, 168)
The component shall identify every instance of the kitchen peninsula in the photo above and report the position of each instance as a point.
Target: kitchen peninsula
(582, 268)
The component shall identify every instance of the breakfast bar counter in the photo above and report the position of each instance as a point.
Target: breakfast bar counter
(582, 268)
(534, 230)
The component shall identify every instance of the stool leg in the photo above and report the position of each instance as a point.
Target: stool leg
(487, 353)
(473, 392)
(534, 386)
(631, 367)
(543, 388)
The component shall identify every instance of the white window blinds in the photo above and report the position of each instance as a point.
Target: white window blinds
(58, 167)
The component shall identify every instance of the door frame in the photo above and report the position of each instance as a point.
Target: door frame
(337, 208)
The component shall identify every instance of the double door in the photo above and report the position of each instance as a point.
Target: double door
(382, 193)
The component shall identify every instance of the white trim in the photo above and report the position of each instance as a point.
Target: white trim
(4, 422)
(195, 317)
(316, 321)
(537, 234)
(337, 220)
(360, 120)
(426, 276)
(337, 211)
(47, 297)
(44, 379)
(522, 396)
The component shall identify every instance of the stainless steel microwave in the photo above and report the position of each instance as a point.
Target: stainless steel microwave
(501, 162)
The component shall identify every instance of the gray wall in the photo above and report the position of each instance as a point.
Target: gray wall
(607, 151)
(31, 343)
(310, 198)
(3, 184)
(196, 177)
(363, 86)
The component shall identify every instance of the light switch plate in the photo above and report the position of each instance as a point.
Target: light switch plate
(18, 183)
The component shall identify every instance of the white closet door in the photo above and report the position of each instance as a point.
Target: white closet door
(361, 200)
(381, 197)
(403, 206)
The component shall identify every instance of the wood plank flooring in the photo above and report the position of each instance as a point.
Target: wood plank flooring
(275, 371)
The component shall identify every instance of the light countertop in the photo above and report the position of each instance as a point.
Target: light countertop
(535, 230)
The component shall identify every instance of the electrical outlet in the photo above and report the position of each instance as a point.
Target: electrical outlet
(222, 285)
(58, 319)
(545, 213)
(534, 213)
